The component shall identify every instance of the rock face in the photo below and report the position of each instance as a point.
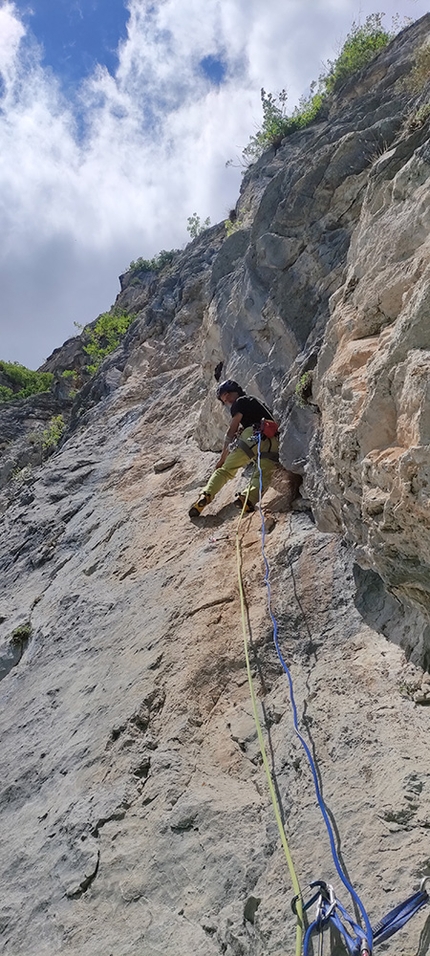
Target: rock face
(136, 815)
(374, 380)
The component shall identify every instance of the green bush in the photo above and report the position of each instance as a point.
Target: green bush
(23, 381)
(232, 225)
(21, 635)
(153, 265)
(303, 389)
(52, 434)
(277, 123)
(273, 128)
(307, 111)
(196, 226)
(105, 336)
(6, 393)
(361, 45)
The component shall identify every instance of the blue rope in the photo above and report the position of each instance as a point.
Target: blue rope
(345, 881)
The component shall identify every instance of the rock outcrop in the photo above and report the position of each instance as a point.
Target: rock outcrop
(136, 815)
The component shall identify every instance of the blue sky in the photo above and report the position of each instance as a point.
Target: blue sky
(116, 123)
(76, 34)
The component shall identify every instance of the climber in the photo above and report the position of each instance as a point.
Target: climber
(241, 447)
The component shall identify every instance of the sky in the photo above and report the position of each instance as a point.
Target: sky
(117, 120)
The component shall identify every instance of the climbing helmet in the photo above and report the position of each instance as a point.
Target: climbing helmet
(228, 386)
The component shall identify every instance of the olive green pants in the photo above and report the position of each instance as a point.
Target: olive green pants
(238, 458)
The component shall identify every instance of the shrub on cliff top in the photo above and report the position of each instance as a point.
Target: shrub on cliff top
(361, 45)
(276, 122)
(21, 382)
(196, 226)
(152, 265)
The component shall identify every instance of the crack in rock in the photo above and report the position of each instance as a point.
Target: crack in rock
(75, 893)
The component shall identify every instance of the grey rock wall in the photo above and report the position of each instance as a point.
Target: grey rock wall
(134, 804)
(135, 810)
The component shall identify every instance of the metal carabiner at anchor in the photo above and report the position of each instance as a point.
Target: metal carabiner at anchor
(326, 896)
(324, 893)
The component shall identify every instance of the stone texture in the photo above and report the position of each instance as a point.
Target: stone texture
(147, 749)
(135, 810)
(373, 381)
(134, 804)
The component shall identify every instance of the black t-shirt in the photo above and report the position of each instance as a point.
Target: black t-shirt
(251, 409)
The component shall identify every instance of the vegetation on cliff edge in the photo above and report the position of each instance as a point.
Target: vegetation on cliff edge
(361, 45)
(17, 381)
(104, 337)
(156, 264)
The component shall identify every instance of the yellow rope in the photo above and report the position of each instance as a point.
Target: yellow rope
(293, 875)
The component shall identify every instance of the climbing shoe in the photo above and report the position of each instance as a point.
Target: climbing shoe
(197, 508)
(244, 504)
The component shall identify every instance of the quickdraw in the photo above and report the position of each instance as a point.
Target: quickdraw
(329, 911)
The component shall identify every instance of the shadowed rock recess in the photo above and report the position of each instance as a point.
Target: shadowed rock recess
(136, 817)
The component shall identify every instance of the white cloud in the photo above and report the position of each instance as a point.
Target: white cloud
(11, 33)
(76, 210)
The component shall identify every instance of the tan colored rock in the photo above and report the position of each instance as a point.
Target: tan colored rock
(373, 389)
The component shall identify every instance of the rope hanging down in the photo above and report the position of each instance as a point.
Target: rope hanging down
(329, 909)
(294, 880)
(368, 931)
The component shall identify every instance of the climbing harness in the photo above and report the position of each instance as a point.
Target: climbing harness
(250, 449)
(330, 912)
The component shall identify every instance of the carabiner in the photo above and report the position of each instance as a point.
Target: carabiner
(425, 879)
(331, 901)
(325, 893)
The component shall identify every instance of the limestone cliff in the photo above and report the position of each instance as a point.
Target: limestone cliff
(135, 811)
